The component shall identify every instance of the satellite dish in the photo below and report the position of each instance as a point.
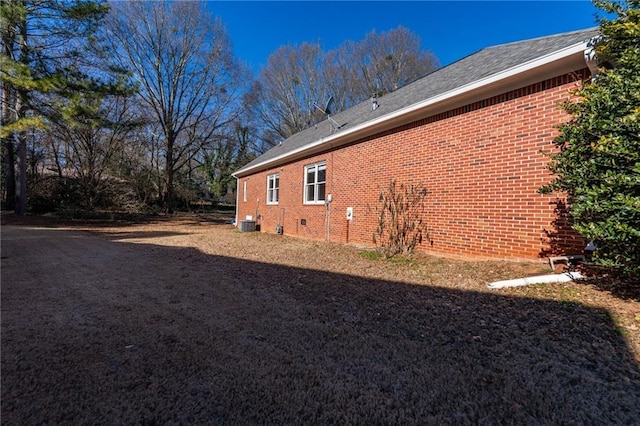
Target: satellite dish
(327, 112)
(327, 107)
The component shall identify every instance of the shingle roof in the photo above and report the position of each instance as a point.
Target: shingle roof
(482, 64)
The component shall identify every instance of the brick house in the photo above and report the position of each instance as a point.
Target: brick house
(472, 133)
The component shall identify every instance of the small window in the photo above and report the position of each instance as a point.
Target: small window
(244, 192)
(315, 177)
(273, 188)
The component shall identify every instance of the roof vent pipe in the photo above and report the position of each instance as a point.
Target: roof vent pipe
(374, 103)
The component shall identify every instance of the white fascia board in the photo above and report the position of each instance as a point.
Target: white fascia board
(408, 113)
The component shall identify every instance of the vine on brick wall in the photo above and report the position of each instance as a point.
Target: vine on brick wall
(400, 216)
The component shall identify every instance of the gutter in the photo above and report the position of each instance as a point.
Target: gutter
(516, 76)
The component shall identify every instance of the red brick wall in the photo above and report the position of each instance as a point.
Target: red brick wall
(481, 164)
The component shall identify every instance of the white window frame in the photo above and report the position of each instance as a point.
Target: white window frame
(273, 188)
(315, 168)
(244, 191)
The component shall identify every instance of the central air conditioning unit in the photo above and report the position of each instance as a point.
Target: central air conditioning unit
(247, 225)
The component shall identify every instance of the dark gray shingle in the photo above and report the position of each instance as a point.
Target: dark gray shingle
(482, 64)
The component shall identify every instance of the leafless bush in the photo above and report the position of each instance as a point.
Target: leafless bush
(400, 216)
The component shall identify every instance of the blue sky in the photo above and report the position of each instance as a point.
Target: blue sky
(450, 29)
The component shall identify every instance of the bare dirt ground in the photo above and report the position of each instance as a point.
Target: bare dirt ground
(185, 320)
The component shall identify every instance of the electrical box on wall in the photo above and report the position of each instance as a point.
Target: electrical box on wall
(349, 213)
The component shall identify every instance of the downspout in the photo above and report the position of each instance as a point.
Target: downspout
(235, 221)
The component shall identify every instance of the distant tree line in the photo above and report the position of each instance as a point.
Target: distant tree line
(293, 90)
(139, 106)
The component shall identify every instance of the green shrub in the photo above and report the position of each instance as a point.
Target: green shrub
(598, 164)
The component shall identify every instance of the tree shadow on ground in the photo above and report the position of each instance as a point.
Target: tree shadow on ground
(563, 239)
(126, 235)
(116, 219)
(178, 336)
(624, 288)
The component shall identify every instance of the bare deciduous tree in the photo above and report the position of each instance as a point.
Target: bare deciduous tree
(183, 61)
(293, 89)
(386, 61)
(89, 139)
(290, 86)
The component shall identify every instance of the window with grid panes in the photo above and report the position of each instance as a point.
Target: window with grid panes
(273, 188)
(315, 176)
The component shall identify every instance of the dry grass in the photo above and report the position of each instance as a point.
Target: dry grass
(186, 320)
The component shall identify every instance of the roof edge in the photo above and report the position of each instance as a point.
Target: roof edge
(409, 113)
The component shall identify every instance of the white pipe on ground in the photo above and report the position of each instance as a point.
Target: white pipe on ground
(541, 279)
